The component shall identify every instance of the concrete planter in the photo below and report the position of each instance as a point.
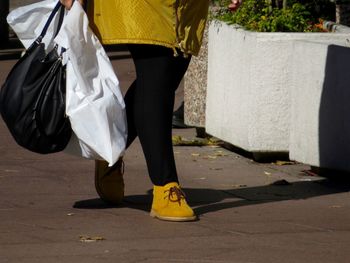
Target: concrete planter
(320, 123)
(249, 85)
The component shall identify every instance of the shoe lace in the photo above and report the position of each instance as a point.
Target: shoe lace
(175, 192)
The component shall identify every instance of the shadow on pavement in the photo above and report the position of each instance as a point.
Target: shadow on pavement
(140, 202)
(211, 200)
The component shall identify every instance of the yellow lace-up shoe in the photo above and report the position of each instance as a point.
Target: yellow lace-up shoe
(109, 182)
(169, 204)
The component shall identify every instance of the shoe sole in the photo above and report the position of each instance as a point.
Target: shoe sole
(173, 219)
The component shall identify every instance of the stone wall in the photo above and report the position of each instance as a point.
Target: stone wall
(195, 89)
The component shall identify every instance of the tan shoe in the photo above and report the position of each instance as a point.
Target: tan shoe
(169, 204)
(109, 182)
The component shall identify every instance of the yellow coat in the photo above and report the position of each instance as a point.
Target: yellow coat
(170, 23)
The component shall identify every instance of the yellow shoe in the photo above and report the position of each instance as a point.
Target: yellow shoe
(109, 181)
(169, 204)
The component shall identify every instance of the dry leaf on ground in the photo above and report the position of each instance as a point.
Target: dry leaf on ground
(180, 141)
(281, 163)
(88, 239)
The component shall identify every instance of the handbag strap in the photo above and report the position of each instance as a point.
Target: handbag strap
(51, 17)
(60, 20)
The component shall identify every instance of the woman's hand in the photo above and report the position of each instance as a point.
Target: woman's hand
(235, 4)
(68, 3)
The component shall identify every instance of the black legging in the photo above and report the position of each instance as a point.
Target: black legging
(149, 107)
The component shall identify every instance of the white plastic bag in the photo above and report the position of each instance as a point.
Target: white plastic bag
(95, 104)
(102, 128)
(28, 21)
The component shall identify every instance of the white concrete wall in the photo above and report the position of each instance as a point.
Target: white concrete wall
(249, 85)
(226, 61)
(320, 124)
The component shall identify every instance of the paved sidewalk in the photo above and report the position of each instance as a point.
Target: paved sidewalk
(48, 205)
(17, 3)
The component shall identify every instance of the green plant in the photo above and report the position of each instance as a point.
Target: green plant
(277, 15)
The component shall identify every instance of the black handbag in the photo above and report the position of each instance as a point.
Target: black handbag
(32, 99)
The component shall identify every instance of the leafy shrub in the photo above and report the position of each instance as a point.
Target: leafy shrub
(274, 16)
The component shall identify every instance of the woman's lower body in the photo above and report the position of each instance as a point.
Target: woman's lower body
(149, 107)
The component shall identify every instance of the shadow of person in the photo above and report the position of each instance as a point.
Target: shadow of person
(140, 202)
(205, 200)
(267, 194)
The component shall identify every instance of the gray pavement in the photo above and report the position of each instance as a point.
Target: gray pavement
(18, 3)
(249, 212)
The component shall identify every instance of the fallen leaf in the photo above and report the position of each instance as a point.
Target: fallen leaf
(267, 173)
(221, 154)
(176, 139)
(309, 173)
(284, 163)
(336, 206)
(70, 214)
(239, 185)
(195, 154)
(200, 178)
(180, 141)
(306, 180)
(88, 239)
